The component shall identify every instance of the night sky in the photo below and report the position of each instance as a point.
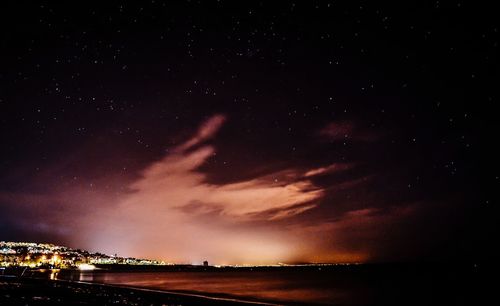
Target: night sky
(251, 132)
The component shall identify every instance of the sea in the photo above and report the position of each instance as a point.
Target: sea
(396, 284)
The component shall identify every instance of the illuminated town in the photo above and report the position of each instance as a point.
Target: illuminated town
(45, 255)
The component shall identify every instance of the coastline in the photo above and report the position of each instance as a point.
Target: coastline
(190, 295)
(38, 291)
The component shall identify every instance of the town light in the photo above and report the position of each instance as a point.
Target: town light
(86, 267)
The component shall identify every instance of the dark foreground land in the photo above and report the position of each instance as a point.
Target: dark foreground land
(39, 292)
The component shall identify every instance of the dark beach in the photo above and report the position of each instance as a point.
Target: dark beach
(32, 291)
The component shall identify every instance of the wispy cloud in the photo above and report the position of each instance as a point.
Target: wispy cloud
(337, 130)
(175, 182)
(207, 130)
(172, 203)
(348, 130)
(333, 168)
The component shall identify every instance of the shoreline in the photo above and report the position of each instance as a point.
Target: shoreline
(40, 291)
(188, 294)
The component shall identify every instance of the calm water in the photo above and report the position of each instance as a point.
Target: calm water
(345, 286)
(289, 286)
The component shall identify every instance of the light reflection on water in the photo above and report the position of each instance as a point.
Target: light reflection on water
(53, 273)
(266, 285)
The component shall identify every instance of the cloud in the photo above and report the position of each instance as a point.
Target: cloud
(360, 235)
(337, 130)
(175, 182)
(207, 130)
(173, 211)
(348, 130)
(336, 167)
